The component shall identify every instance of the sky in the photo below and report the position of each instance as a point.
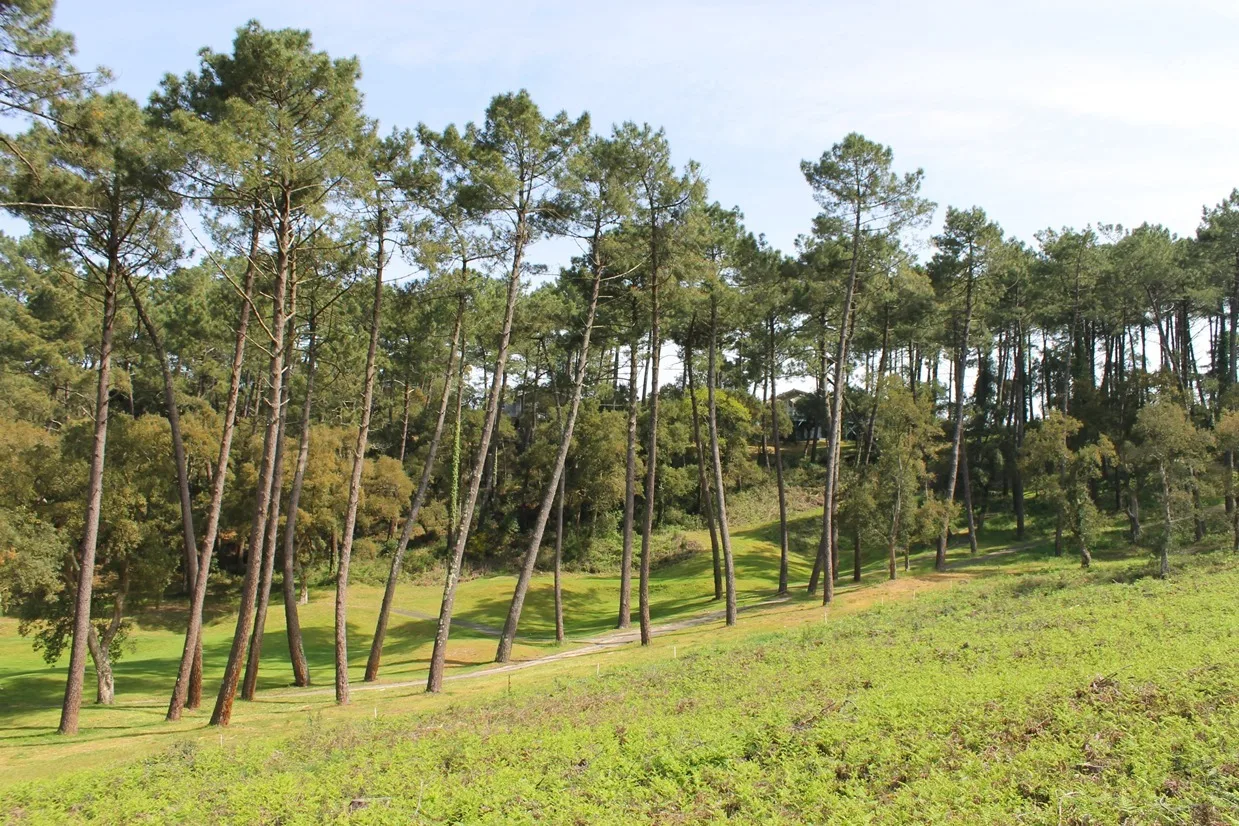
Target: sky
(1047, 114)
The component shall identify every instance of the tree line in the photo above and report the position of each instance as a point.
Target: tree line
(251, 337)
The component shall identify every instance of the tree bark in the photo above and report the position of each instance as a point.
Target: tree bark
(187, 692)
(94, 504)
(825, 551)
(703, 483)
(968, 509)
(292, 618)
(359, 461)
(222, 714)
(559, 558)
(724, 535)
(1017, 476)
(651, 454)
(630, 486)
(778, 463)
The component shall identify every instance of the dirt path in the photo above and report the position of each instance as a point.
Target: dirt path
(628, 636)
(592, 645)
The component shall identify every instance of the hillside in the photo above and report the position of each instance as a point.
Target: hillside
(1046, 695)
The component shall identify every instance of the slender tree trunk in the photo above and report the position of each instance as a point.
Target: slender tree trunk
(438, 656)
(724, 535)
(651, 455)
(453, 498)
(825, 552)
(778, 463)
(1133, 512)
(222, 714)
(292, 618)
(703, 483)
(419, 498)
(893, 544)
(249, 683)
(856, 553)
(94, 504)
(630, 488)
(1017, 476)
(958, 438)
(862, 458)
(1167, 527)
(187, 692)
(504, 652)
(559, 557)
(359, 461)
(966, 481)
(1198, 513)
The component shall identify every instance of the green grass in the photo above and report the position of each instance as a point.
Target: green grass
(30, 690)
(1045, 695)
(1016, 688)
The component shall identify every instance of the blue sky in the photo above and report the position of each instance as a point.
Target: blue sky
(1046, 114)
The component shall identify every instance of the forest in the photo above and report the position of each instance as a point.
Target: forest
(255, 345)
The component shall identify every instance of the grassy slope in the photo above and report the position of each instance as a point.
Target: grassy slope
(1047, 696)
(30, 690)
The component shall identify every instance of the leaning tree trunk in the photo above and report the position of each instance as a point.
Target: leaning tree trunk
(419, 498)
(703, 483)
(94, 505)
(724, 535)
(187, 692)
(249, 683)
(438, 655)
(778, 466)
(506, 638)
(354, 485)
(222, 714)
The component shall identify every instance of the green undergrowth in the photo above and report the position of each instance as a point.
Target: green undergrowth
(1049, 696)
